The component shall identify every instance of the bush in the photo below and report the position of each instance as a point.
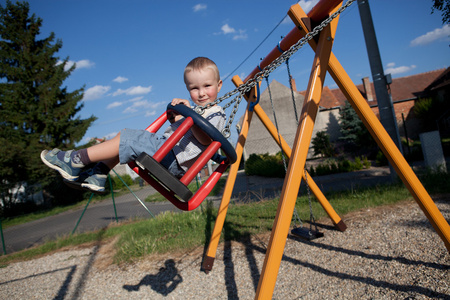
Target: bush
(358, 165)
(118, 184)
(321, 145)
(265, 165)
(381, 160)
(342, 166)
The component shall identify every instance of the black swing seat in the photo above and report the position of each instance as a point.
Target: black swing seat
(161, 174)
(306, 234)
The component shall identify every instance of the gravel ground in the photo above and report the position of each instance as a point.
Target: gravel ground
(386, 253)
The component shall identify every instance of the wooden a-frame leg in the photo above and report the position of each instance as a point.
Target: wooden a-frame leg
(297, 162)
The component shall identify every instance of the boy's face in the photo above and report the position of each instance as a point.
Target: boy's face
(203, 86)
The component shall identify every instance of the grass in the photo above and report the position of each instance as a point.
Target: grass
(60, 209)
(194, 186)
(170, 232)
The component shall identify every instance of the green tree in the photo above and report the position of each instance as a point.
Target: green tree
(353, 130)
(444, 7)
(36, 112)
(321, 144)
(429, 110)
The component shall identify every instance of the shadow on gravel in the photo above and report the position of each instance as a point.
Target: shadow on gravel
(65, 286)
(164, 282)
(80, 285)
(250, 248)
(362, 254)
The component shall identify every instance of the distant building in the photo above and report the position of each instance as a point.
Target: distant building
(405, 91)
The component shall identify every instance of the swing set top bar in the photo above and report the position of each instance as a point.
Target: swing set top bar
(317, 14)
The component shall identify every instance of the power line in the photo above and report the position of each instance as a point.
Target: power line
(232, 72)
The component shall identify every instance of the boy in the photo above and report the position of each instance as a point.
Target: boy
(202, 80)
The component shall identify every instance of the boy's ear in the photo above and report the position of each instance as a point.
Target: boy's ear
(219, 85)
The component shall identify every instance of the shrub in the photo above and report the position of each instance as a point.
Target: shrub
(321, 145)
(265, 165)
(118, 184)
(322, 169)
(358, 165)
(381, 160)
(345, 166)
(366, 162)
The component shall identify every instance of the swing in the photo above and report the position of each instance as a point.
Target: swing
(300, 231)
(172, 188)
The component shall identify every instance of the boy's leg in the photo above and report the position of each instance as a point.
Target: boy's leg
(106, 151)
(70, 163)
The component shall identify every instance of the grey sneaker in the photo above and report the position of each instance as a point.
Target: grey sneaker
(89, 180)
(67, 168)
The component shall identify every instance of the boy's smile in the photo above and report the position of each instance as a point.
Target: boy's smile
(203, 86)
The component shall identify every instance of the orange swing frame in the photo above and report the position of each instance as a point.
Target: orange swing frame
(324, 61)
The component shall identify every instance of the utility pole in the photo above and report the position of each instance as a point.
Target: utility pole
(380, 81)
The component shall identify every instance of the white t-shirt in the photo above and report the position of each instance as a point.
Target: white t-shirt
(189, 148)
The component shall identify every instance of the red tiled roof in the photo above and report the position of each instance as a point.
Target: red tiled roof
(403, 88)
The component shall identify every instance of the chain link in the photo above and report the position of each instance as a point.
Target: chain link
(237, 100)
(252, 82)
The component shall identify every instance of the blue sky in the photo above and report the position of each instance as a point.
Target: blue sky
(130, 55)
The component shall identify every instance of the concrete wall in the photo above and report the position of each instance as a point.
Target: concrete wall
(259, 140)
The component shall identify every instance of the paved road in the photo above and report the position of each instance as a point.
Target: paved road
(99, 215)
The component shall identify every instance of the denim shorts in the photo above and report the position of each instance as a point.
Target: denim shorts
(134, 142)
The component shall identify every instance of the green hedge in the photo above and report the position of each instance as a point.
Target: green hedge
(265, 165)
(332, 166)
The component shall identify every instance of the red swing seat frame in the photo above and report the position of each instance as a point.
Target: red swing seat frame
(201, 161)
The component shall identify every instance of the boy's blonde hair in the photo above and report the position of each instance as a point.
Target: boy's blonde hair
(201, 63)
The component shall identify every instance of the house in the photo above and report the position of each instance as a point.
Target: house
(405, 91)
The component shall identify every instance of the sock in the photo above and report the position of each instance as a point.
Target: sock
(81, 157)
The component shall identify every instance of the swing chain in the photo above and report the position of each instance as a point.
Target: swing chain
(312, 219)
(252, 82)
(292, 90)
(237, 100)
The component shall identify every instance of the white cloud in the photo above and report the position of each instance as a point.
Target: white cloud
(199, 7)
(241, 36)
(110, 135)
(431, 36)
(150, 113)
(226, 29)
(142, 105)
(390, 65)
(114, 105)
(95, 92)
(391, 69)
(84, 64)
(81, 64)
(120, 103)
(237, 34)
(120, 79)
(134, 90)
(135, 99)
(307, 5)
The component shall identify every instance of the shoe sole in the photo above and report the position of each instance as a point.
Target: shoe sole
(63, 173)
(85, 187)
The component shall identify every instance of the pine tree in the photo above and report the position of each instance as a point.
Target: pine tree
(321, 144)
(36, 112)
(353, 130)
